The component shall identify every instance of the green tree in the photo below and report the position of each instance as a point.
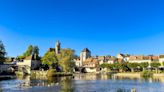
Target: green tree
(27, 53)
(2, 52)
(50, 59)
(155, 65)
(36, 52)
(66, 60)
(104, 65)
(144, 65)
(124, 66)
(133, 66)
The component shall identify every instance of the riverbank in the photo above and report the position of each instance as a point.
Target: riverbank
(50, 73)
(138, 74)
(7, 77)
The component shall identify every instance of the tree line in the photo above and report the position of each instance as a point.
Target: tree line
(2, 52)
(31, 50)
(126, 66)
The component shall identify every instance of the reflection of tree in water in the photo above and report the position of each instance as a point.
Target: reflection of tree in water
(66, 84)
(1, 89)
(124, 90)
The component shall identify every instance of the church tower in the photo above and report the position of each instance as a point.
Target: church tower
(57, 48)
(84, 55)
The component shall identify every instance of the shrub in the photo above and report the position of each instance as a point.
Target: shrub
(147, 73)
(51, 72)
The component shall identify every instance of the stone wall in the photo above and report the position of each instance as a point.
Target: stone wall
(38, 73)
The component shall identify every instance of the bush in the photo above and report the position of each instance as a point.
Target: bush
(147, 73)
(51, 72)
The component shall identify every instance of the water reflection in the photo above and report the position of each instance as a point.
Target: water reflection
(83, 83)
(92, 76)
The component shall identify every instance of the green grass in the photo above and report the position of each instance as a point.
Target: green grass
(53, 73)
(147, 73)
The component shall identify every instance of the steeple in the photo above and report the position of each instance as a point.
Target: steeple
(57, 48)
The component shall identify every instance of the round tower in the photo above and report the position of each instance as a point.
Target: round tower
(57, 48)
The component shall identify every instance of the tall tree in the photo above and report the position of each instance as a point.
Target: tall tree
(66, 60)
(36, 52)
(2, 52)
(27, 53)
(49, 59)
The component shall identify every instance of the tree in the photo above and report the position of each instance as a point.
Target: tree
(155, 65)
(66, 59)
(36, 52)
(104, 65)
(31, 50)
(144, 65)
(132, 66)
(124, 66)
(50, 59)
(2, 52)
(27, 53)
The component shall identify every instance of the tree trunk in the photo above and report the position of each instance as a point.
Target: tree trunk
(132, 70)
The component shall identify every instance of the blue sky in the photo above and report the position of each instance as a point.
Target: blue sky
(106, 27)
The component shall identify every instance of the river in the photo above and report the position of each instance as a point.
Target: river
(82, 83)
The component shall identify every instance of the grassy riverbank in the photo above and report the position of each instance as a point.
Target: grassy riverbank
(50, 73)
(137, 74)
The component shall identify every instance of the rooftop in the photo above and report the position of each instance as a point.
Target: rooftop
(85, 50)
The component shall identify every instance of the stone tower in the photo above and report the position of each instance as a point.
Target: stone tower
(57, 48)
(84, 55)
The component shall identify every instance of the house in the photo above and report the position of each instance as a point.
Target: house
(161, 59)
(101, 59)
(119, 60)
(124, 57)
(30, 61)
(140, 59)
(107, 59)
(77, 62)
(111, 60)
(154, 58)
(91, 65)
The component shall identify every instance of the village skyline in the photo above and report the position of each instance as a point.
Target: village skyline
(93, 54)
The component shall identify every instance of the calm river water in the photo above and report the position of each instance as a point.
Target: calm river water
(82, 83)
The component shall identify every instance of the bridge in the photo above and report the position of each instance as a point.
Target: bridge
(8, 68)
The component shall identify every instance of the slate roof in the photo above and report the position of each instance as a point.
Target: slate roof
(85, 50)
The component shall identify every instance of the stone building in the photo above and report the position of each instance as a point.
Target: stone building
(86, 53)
(124, 57)
(91, 65)
(30, 61)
